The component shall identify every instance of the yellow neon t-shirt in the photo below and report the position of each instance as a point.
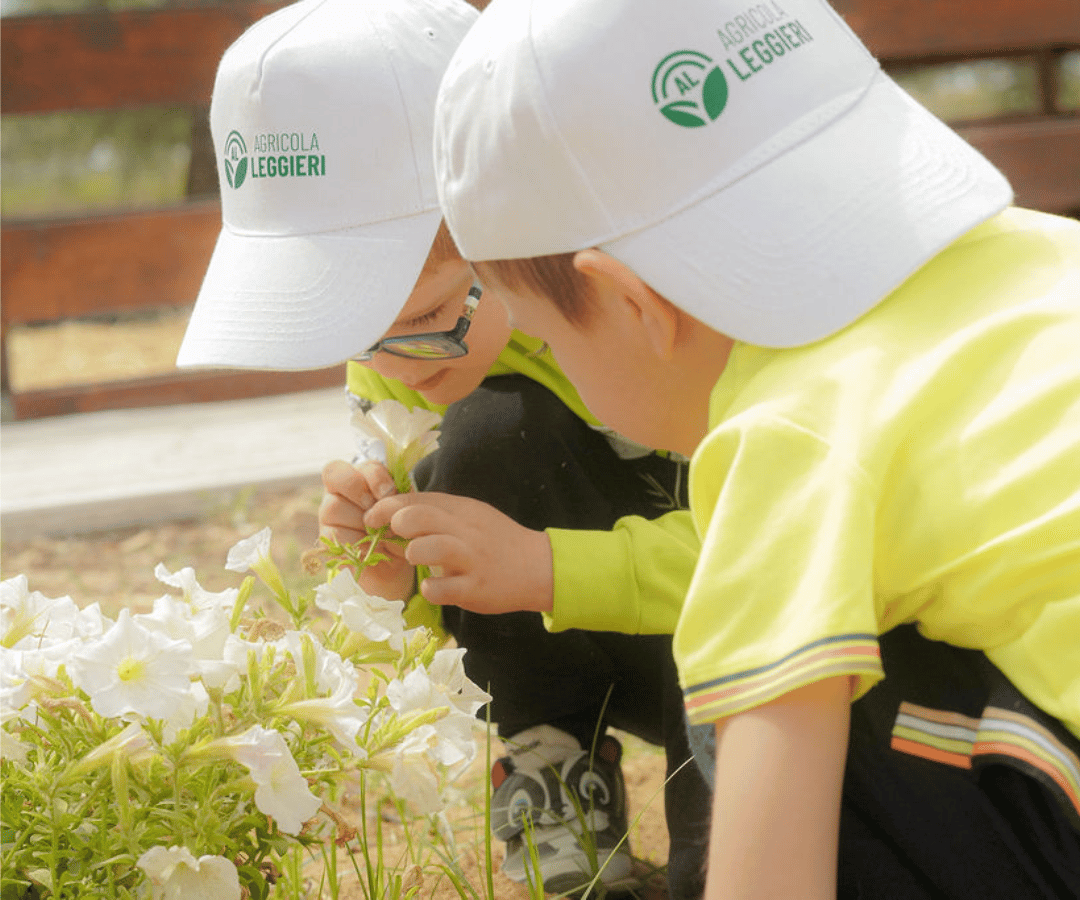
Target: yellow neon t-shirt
(922, 465)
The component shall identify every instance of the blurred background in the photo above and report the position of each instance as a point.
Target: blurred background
(64, 165)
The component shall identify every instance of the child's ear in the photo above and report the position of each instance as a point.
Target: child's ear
(657, 316)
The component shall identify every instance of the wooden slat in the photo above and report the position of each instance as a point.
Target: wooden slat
(1040, 157)
(58, 270)
(912, 29)
(104, 60)
(164, 390)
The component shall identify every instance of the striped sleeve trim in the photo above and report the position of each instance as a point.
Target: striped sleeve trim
(847, 654)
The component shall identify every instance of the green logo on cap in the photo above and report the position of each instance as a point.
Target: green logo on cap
(236, 161)
(691, 88)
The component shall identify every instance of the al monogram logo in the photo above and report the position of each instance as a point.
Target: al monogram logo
(689, 88)
(236, 160)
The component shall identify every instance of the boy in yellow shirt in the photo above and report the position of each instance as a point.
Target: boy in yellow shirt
(787, 268)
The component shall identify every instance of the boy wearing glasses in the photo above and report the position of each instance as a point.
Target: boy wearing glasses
(349, 260)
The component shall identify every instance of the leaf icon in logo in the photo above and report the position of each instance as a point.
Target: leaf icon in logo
(714, 94)
(235, 158)
(698, 83)
(683, 112)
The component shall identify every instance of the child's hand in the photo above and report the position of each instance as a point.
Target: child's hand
(350, 492)
(481, 560)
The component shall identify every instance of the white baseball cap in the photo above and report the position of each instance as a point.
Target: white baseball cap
(750, 161)
(321, 119)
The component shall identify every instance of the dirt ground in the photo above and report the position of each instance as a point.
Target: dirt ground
(115, 568)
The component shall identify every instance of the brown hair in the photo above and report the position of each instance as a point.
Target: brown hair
(553, 278)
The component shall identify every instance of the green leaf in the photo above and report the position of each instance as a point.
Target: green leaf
(229, 173)
(680, 116)
(241, 167)
(714, 93)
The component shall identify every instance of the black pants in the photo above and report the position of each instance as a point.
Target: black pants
(920, 824)
(917, 827)
(515, 445)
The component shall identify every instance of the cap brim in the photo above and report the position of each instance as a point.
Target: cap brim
(804, 245)
(305, 301)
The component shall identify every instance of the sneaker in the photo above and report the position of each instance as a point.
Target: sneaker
(537, 785)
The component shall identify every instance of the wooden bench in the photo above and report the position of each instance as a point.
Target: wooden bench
(68, 268)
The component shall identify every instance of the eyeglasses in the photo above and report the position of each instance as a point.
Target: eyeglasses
(433, 344)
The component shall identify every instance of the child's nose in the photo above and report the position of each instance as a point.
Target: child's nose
(390, 366)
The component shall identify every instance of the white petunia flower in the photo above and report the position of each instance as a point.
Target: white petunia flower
(415, 776)
(92, 622)
(27, 617)
(192, 705)
(254, 553)
(195, 595)
(337, 713)
(206, 629)
(13, 591)
(331, 594)
(442, 683)
(337, 683)
(247, 554)
(325, 668)
(447, 673)
(175, 874)
(132, 670)
(236, 650)
(281, 791)
(10, 746)
(406, 435)
(22, 672)
(40, 635)
(375, 618)
(450, 740)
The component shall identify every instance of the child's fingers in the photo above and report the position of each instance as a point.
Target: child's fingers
(445, 590)
(387, 511)
(379, 480)
(381, 513)
(440, 551)
(405, 509)
(361, 485)
(344, 481)
(341, 519)
(420, 520)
